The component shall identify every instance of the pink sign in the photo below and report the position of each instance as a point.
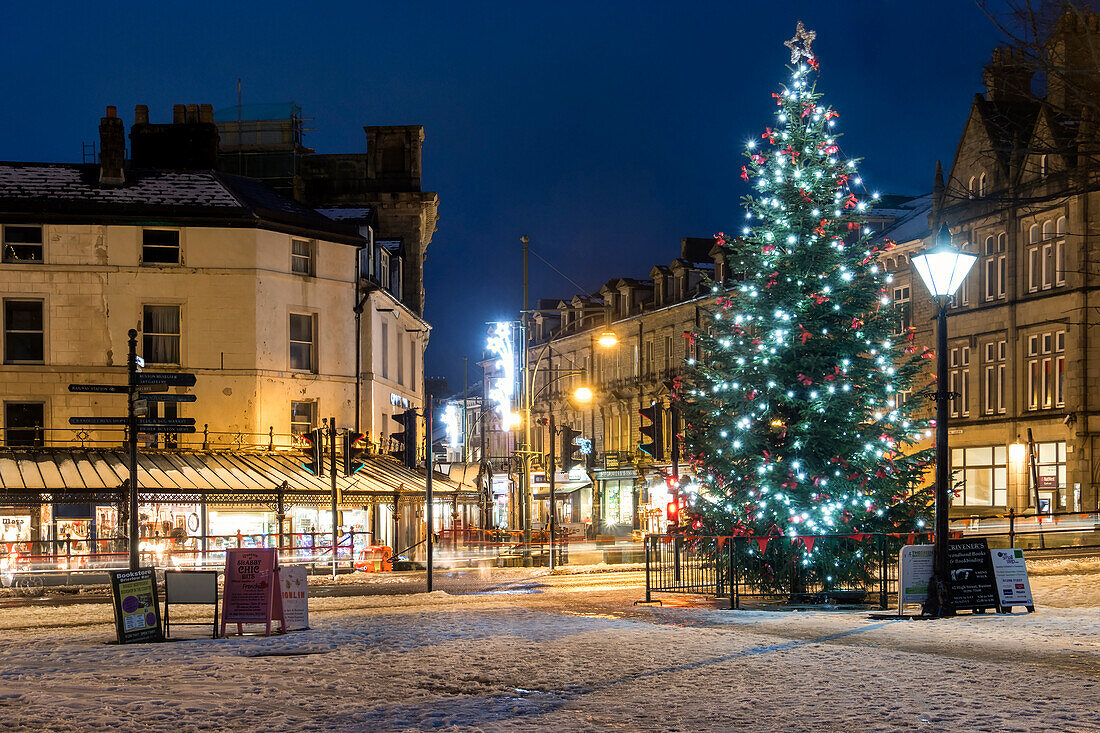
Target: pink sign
(252, 589)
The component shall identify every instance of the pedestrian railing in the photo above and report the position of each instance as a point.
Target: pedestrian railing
(813, 569)
(1052, 531)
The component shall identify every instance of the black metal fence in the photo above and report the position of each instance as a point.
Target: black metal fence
(853, 569)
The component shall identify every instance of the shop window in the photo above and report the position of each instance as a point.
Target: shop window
(303, 352)
(994, 373)
(979, 476)
(24, 332)
(303, 417)
(160, 335)
(301, 256)
(160, 247)
(22, 243)
(1046, 370)
(1050, 465)
(24, 423)
(958, 381)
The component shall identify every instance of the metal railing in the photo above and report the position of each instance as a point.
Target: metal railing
(1052, 531)
(840, 569)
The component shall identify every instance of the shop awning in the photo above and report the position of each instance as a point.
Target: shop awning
(68, 474)
(542, 491)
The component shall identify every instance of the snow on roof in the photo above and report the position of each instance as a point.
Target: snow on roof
(343, 214)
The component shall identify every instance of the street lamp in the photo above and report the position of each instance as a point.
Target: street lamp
(607, 339)
(582, 394)
(942, 270)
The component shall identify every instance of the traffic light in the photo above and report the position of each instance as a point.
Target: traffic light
(355, 450)
(569, 448)
(314, 450)
(405, 438)
(655, 447)
(672, 511)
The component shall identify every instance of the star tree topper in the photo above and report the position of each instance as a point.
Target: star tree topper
(800, 44)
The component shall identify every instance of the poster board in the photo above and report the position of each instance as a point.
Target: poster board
(294, 587)
(137, 608)
(970, 575)
(914, 574)
(192, 587)
(1013, 587)
(251, 594)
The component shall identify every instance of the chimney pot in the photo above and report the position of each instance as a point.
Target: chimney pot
(192, 113)
(112, 111)
(206, 113)
(179, 114)
(141, 114)
(112, 148)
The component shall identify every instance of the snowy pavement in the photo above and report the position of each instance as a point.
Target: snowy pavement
(569, 652)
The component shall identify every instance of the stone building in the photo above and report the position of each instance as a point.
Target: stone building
(1021, 194)
(286, 316)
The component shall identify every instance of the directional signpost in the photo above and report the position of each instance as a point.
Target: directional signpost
(141, 388)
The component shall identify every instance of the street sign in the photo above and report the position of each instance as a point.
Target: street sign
(165, 429)
(145, 388)
(170, 397)
(165, 421)
(104, 388)
(140, 362)
(175, 379)
(98, 420)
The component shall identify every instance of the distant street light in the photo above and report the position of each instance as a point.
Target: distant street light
(582, 394)
(943, 270)
(607, 339)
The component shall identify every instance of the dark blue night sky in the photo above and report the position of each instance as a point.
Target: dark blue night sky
(605, 131)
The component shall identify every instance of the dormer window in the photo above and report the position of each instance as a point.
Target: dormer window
(1042, 166)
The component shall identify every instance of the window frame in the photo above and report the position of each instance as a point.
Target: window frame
(145, 334)
(145, 261)
(309, 258)
(6, 245)
(8, 332)
(291, 342)
(37, 439)
(962, 472)
(312, 417)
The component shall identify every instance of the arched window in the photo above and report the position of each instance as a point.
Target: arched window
(1033, 234)
(1060, 227)
(902, 261)
(989, 245)
(970, 187)
(981, 185)
(1042, 165)
(889, 264)
(1048, 229)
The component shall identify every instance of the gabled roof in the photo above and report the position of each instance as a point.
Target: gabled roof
(69, 192)
(1008, 125)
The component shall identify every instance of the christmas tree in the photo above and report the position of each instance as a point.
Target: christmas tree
(794, 425)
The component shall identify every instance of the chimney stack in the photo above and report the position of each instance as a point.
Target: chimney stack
(141, 114)
(112, 148)
(1007, 76)
(206, 113)
(179, 114)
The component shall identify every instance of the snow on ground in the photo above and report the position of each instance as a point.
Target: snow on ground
(567, 652)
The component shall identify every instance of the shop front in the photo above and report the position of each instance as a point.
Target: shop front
(619, 500)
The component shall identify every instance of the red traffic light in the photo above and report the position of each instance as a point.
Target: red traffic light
(673, 511)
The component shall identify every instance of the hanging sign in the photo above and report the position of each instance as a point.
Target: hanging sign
(970, 575)
(251, 594)
(295, 591)
(137, 609)
(1013, 587)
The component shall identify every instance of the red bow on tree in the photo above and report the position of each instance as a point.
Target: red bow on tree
(778, 99)
(851, 201)
(831, 114)
(791, 152)
(759, 159)
(768, 249)
(806, 381)
(807, 108)
(769, 135)
(819, 298)
(744, 173)
(813, 62)
(805, 335)
(841, 180)
(805, 195)
(857, 322)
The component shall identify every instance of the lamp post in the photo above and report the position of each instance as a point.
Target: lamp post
(942, 270)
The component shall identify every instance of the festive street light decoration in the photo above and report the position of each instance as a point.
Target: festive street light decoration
(942, 270)
(500, 343)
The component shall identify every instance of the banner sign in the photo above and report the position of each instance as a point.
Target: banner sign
(137, 609)
(1010, 570)
(251, 594)
(295, 590)
(970, 571)
(914, 574)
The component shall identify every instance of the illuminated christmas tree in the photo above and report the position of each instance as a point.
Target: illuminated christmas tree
(794, 424)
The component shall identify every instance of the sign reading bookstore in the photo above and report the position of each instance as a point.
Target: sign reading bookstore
(137, 609)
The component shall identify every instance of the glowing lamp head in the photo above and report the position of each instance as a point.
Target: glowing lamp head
(943, 269)
(582, 394)
(607, 339)
(513, 421)
(1017, 452)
